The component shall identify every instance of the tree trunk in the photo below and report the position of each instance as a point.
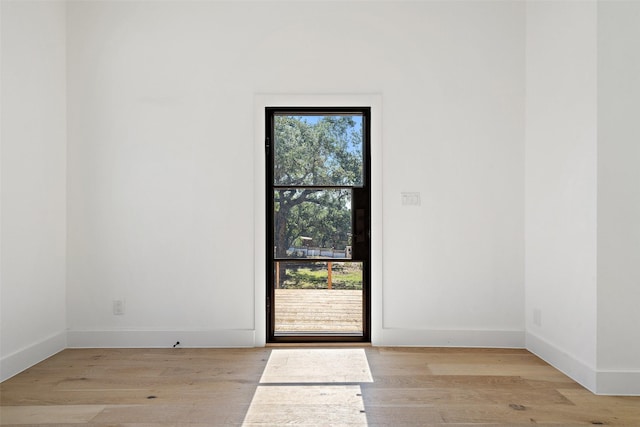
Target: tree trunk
(280, 241)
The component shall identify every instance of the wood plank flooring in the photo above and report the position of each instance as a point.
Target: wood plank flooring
(277, 386)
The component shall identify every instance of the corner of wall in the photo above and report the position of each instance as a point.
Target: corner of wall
(567, 363)
(20, 360)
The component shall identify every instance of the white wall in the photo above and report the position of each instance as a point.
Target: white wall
(453, 268)
(33, 183)
(582, 191)
(161, 171)
(561, 185)
(161, 166)
(619, 197)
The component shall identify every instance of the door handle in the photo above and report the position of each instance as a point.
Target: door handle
(360, 224)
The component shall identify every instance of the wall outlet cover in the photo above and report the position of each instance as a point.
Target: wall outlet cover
(118, 307)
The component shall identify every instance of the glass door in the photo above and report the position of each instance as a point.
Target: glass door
(318, 216)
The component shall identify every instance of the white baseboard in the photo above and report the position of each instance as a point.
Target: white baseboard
(453, 338)
(574, 368)
(20, 360)
(160, 339)
(566, 363)
(614, 383)
(618, 383)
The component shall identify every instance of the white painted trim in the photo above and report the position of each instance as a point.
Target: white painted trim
(615, 383)
(25, 358)
(611, 383)
(568, 364)
(318, 100)
(618, 383)
(227, 338)
(452, 338)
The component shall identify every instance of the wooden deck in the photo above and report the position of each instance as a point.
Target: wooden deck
(318, 311)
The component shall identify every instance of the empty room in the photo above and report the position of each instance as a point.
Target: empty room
(320, 212)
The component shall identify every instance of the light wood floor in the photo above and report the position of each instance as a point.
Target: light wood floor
(323, 386)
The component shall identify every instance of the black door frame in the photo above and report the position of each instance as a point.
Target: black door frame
(363, 254)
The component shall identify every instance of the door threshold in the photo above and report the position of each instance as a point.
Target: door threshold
(356, 344)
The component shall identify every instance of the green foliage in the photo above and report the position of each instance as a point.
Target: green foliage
(324, 216)
(327, 151)
(315, 276)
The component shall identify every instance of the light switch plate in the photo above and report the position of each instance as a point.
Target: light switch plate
(410, 198)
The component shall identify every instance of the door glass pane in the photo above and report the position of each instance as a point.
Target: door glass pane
(321, 150)
(312, 223)
(318, 297)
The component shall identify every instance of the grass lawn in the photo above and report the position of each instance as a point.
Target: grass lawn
(345, 275)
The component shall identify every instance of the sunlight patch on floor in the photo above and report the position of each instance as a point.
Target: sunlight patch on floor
(311, 387)
(307, 405)
(336, 365)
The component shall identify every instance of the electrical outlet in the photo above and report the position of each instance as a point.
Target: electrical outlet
(537, 317)
(118, 307)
